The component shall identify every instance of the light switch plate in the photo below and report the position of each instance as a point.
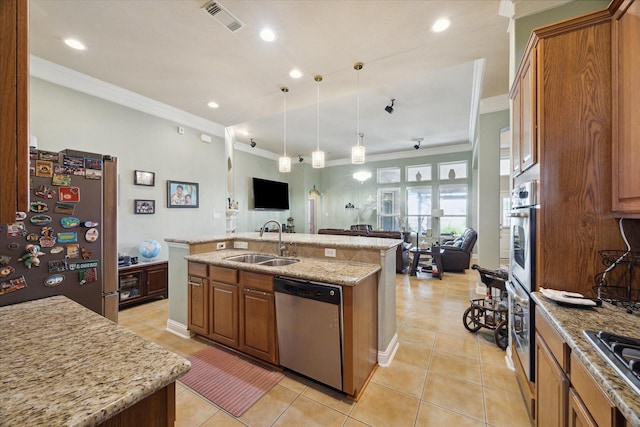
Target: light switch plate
(330, 252)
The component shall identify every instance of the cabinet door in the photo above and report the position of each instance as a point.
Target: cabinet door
(578, 414)
(14, 110)
(552, 388)
(131, 286)
(198, 305)
(157, 278)
(528, 123)
(224, 313)
(257, 324)
(626, 126)
(517, 126)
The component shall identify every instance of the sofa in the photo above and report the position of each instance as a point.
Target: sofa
(402, 251)
(457, 252)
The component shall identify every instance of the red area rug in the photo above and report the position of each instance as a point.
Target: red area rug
(228, 380)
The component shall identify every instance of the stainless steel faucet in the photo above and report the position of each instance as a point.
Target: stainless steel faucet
(280, 247)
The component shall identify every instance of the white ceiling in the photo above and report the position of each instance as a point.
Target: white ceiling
(174, 52)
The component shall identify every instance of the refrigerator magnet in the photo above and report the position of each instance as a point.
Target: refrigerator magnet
(38, 207)
(11, 285)
(91, 235)
(64, 208)
(40, 220)
(88, 275)
(69, 222)
(53, 280)
(57, 250)
(57, 266)
(47, 242)
(32, 237)
(45, 192)
(69, 194)
(20, 216)
(67, 237)
(7, 271)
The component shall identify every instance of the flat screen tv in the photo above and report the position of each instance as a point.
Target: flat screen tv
(271, 195)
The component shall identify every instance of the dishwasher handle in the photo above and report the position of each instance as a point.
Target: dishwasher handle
(323, 292)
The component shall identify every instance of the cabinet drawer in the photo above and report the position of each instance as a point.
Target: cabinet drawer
(598, 404)
(556, 344)
(222, 274)
(197, 269)
(258, 281)
(197, 281)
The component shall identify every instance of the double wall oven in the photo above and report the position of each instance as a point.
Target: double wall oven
(522, 274)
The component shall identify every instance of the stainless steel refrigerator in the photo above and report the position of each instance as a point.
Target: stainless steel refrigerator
(66, 244)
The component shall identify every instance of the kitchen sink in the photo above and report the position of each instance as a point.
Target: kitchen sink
(261, 259)
(278, 262)
(251, 258)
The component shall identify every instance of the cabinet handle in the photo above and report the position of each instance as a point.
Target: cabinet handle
(194, 284)
(247, 291)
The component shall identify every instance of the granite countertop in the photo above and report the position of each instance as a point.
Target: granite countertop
(570, 324)
(300, 238)
(64, 365)
(338, 272)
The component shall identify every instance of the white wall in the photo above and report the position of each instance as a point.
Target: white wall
(62, 118)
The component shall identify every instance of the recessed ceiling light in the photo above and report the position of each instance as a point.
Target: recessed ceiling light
(213, 104)
(440, 25)
(267, 35)
(75, 44)
(296, 74)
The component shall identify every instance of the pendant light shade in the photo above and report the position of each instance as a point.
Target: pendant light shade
(284, 162)
(357, 151)
(317, 157)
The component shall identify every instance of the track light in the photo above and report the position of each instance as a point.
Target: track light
(253, 143)
(300, 159)
(417, 146)
(389, 108)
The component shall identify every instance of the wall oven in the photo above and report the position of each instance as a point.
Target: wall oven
(522, 274)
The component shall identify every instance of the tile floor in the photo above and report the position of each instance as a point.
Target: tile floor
(442, 375)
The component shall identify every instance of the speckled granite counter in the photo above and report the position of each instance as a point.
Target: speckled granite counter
(63, 365)
(341, 273)
(301, 238)
(570, 324)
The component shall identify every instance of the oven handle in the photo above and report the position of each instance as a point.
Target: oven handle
(511, 290)
(519, 214)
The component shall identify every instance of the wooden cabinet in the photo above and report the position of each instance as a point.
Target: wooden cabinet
(143, 282)
(14, 109)
(562, 139)
(626, 126)
(524, 141)
(566, 394)
(234, 308)
(258, 317)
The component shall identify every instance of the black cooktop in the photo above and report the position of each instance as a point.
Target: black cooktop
(623, 353)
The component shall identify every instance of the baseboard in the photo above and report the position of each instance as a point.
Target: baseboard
(179, 329)
(386, 357)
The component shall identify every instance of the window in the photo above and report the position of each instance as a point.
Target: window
(453, 200)
(419, 173)
(505, 166)
(452, 170)
(419, 210)
(389, 209)
(388, 175)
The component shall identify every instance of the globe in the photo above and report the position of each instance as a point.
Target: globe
(149, 248)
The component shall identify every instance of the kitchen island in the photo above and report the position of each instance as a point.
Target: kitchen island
(338, 259)
(64, 365)
(569, 324)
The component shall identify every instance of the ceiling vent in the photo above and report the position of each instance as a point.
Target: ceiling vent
(223, 16)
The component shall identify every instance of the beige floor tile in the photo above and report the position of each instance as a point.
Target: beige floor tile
(455, 366)
(329, 397)
(270, 406)
(466, 345)
(432, 415)
(498, 378)
(491, 354)
(192, 410)
(402, 377)
(416, 335)
(221, 419)
(416, 354)
(456, 395)
(380, 406)
(417, 320)
(505, 410)
(354, 423)
(308, 413)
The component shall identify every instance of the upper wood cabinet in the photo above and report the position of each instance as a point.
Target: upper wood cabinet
(626, 109)
(524, 140)
(14, 111)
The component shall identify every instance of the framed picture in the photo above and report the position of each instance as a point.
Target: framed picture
(182, 194)
(144, 178)
(144, 207)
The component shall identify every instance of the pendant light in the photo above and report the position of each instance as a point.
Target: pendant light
(317, 157)
(284, 162)
(357, 151)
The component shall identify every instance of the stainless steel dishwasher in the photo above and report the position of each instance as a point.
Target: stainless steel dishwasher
(309, 318)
